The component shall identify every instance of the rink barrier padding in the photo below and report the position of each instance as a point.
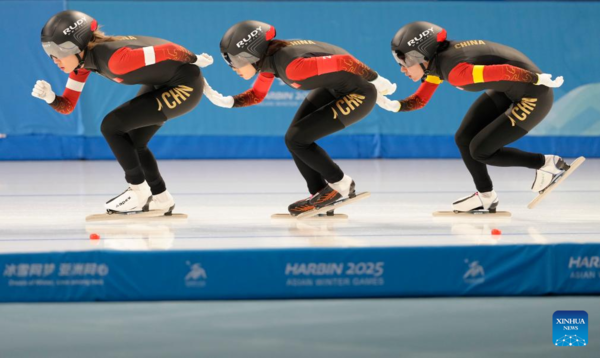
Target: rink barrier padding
(105, 275)
(50, 147)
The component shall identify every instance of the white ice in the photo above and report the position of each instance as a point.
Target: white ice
(43, 206)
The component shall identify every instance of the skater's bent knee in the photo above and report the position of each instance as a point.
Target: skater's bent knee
(110, 124)
(462, 140)
(294, 139)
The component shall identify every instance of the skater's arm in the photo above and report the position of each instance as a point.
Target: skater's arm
(416, 101)
(257, 93)
(66, 103)
(253, 96)
(420, 98)
(127, 59)
(303, 68)
(466, 74)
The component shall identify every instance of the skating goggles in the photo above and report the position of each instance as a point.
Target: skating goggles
(60, 51)
(408, 60)
(240, 60)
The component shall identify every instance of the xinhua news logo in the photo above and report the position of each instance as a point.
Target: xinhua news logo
(570, 328)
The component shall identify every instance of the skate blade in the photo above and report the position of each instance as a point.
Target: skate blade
(136, 215)
(576, 163)
(334, 206)
(471, 214)
(323, 217)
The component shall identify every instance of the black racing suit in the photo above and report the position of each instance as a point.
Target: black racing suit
(340, 95)
(511, 106)
(171, 87)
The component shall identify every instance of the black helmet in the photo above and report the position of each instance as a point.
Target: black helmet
(246, 42)
(417, 42)
(67, 33)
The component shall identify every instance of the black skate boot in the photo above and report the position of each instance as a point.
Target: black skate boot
(301, 206)
(325, 197)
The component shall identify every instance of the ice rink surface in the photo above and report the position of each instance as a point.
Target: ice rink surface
(229, 203)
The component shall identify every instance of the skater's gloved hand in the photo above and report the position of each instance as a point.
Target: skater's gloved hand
(387, 104)
(545, 79)
(203, 60)
(216, 98)
(384, 86)
(43, 90)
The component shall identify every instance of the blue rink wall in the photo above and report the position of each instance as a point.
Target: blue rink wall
(558, 36)
(503, 270)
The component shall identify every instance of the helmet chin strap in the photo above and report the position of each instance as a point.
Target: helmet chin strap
(425, 71)
(81, 61)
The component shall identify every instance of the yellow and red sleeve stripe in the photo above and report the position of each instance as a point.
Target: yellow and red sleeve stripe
(466, 74)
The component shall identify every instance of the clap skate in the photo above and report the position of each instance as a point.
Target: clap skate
(475, 204)
(135, 199)
(137, 202)
(162, 202)
(333, 196)
(548, 177)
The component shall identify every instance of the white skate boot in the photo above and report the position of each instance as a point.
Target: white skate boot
(487, 201)
(162, 202)
(135, 198)
(345, 186)
(553, 169)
